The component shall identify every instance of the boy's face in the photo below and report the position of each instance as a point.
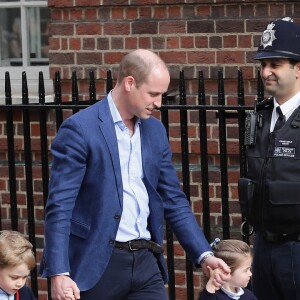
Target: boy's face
(13, 278)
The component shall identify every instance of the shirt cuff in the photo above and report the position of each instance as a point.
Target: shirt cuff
(204, 256)
(65, 273)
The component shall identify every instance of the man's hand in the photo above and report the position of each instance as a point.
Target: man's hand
(69, 294)
(224, 271)
(62, 283)
(212, 285)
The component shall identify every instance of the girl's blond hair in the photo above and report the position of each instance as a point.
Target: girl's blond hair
(232, 252)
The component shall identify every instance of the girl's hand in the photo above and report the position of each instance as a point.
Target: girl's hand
(214, 277)
(68, 294)
(223, 275)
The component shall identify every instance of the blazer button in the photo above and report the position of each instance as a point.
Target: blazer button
(117, 217)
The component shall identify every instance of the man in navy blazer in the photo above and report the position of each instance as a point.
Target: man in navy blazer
(112, 185)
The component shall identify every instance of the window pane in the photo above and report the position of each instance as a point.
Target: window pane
(35, 38)
(10, 37)
(38, 20)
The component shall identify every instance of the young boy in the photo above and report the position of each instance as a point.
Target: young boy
(16, 261)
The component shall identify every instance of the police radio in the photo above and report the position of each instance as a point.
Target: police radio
(252, 121)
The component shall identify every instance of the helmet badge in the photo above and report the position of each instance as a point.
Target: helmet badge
(268, 36)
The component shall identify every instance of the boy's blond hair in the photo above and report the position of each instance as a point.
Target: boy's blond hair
(15, 249)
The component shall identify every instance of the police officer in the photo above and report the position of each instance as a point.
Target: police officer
(270, 195)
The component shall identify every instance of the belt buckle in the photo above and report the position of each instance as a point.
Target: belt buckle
(131, 248)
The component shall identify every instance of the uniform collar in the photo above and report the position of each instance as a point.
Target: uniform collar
(290, 105)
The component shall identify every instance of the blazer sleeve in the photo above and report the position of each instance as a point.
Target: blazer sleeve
(177, 210)
(67, 172)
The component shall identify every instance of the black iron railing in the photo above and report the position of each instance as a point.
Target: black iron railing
(53, 113)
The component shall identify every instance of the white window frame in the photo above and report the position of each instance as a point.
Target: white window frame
(32, 72)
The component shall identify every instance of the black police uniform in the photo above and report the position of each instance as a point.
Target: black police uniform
(270, 200)
(272, 204)
(270, 195)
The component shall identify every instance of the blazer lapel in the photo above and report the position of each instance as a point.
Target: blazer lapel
(146, 150)
(108, 130)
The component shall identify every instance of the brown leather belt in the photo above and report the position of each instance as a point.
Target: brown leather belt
(135, 245)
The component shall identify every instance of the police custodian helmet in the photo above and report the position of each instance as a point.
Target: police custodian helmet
(281, 39)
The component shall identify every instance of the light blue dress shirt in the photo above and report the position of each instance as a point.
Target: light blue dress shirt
(5, 296)
(133, 223)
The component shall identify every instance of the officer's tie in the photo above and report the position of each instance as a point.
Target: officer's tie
(281, 119)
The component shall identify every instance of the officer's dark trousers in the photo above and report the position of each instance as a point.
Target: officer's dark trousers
(276, 270)
(130, 275)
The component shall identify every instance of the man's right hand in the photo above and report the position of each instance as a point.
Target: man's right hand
(212, 285)
(220, 277)
(61, 283)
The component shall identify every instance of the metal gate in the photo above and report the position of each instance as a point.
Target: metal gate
(25, 158)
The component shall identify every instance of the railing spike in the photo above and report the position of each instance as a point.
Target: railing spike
(74, 88)
(41, 88)
(92, 88)
(25, 99)
(241, 98)
(260, 88)
(8, 99)
(109, 84)
(57, 88)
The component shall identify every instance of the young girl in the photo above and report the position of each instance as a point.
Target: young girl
(237, 255)
(16, 261)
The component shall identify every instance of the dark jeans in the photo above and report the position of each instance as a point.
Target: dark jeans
(276, 270)
(130, 275)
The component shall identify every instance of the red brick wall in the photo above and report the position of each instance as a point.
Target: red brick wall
(188, 35)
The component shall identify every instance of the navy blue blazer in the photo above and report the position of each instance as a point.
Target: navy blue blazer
(86, 196)
(25, 293)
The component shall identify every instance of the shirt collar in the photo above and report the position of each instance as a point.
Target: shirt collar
(233, 295)
(113, 109)
(115, 113)
(289, 105)
(5, 296)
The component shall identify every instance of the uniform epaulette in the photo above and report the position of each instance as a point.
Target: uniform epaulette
(265, 104)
